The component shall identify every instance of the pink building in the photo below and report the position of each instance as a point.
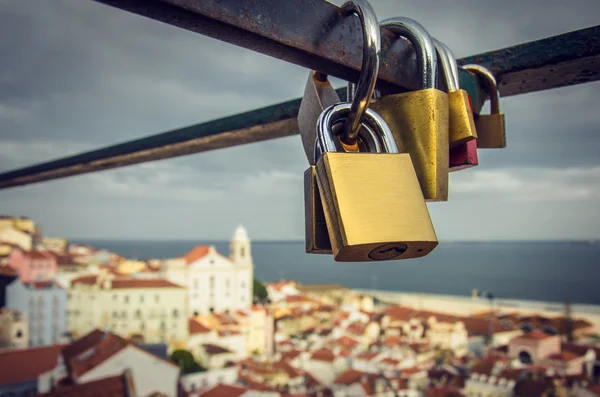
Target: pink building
(33, 265)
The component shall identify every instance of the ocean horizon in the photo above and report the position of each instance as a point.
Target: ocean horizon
(548, 271)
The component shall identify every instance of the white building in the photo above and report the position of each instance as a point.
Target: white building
(153, 308)
(98, 355)
(207, 379)
(215, 283)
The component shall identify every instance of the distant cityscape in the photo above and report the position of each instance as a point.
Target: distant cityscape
(80, 321)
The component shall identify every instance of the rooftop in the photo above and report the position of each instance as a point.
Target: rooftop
(224, 391)
(213, 350)
(28, 364)
(113, 386)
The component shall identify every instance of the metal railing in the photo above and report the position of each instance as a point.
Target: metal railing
(313, 34)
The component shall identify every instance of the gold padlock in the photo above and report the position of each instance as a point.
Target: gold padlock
(372, 202)
(491, 128)
(460, 115)
(315, 226)
(419, 119)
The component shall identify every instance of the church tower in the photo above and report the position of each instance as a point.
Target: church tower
(239, 247)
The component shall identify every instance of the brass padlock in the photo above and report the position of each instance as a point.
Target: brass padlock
(460, 115)
(315, 227)
(491, 128)
(373, 204)
(419, 119)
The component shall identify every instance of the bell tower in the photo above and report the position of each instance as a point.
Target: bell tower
(239, 247)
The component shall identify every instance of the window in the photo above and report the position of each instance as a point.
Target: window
(114, 297)
(242, 251)
(115, 314)
(138, 313)
(142, 326)
(195, 283)
(163, 326)
(141, 298)
(126, 298)
(156, 298)
(243, 284)
(212, 261)
(123, 314)
(175, 313)
(19, 334)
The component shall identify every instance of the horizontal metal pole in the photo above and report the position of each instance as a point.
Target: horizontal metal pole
(309, 33)
(295, 38)
(558, 61)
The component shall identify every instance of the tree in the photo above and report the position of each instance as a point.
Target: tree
(259, 291)
(186, 362)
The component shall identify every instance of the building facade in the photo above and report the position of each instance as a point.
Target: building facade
(153, 308)
(17, 237)
(14, 332)
(215, 283)
(44, 303)
(33, 265)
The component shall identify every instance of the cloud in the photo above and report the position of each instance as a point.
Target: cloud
(529, 185)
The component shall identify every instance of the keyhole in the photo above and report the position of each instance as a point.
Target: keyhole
(388, 251)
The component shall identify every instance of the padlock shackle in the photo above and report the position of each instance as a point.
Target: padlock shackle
(374, 132)
(447, 62)
(418, 36)
(369, 68)
(491, 86)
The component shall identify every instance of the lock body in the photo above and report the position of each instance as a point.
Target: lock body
(491, 131)
(419, 123)
(464, 156)
(461, 121)
(374, 207)
(318, 94)
(316, 234)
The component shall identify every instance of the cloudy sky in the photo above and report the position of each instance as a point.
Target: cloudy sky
(76, 75)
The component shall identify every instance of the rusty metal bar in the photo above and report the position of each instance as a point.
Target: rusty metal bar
(309, 33)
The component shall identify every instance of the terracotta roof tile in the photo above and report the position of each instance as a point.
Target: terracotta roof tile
(346, 341)
(536, 334)
(224, 391)
(82, 344)
(85, 280)
(323, 355)
(564, 356)
(390, 361)
(196, 253)
(289, 369)
(442, 391)
(143, 283)
(197, 328)
(101, 351)
(367, 356)
(578, 350)
(213, 350)
(356, 329)
(114, 386)
(27, 364)
(290, 355)
(349, 377)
